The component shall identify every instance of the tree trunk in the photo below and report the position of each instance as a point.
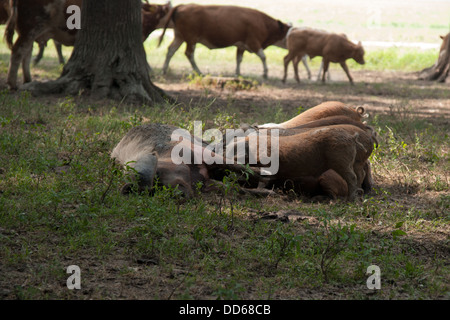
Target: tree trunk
(108, 59)
(440, 70)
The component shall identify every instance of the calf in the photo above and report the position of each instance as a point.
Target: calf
(332, 47)
(223, 26)
(282, 44)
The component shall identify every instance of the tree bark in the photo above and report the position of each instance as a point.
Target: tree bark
(440, 70)
(108, 59)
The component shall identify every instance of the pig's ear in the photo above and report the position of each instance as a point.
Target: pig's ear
(359, 44)
(442, 37)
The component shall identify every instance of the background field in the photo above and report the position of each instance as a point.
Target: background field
(59, 191)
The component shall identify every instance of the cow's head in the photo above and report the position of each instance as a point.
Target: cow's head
(358, 53)
(154, 17)
(284, 27)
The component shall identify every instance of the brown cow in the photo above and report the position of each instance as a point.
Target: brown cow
(152, 19)
(4, 15)
(33, 20)
(282, 44)
(4, 11)
(332, 47)
(154, 16)
(41, 20)
(223, 26)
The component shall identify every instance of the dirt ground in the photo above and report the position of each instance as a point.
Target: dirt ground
(378, 90)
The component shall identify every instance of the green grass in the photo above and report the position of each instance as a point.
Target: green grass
(202, 248)
(60, 201)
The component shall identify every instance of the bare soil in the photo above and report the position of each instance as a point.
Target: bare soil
(378, 90)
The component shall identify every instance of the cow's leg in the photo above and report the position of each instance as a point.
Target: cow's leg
(262, 56)
(190, 49)
(58, 47)
(286, 61)
(20, 47)
(239, 56)
(305, 63)
(320, 71)
(176, 43)
(344, 66)
(326, 64)
(295, 65)
(26, 60)
(40, 53)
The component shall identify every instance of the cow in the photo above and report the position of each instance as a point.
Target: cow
(4, 11)
(282, 44)
(154, 17)
(41, 20)
(34, 20)
(4, 15)
(304, 59)
(223, 26)
(445, 40)
(331, 47)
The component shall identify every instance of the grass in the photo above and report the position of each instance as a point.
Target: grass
(60, 205)
(60, 201)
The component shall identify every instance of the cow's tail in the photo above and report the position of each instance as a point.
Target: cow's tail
(169, 18)
(11, 24)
